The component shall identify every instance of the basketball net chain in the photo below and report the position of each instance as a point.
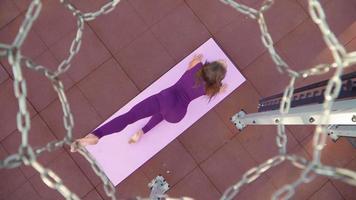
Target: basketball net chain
(28, 155)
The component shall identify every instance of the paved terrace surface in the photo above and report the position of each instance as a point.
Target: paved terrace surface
(125, 51)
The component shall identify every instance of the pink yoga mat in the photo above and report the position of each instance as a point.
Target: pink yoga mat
(119, 159)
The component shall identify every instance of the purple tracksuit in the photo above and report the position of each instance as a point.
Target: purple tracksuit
(170, 104)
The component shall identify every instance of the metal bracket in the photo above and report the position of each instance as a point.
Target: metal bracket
(336, 131)
(342, 113)
(158, 187)
(236, 120)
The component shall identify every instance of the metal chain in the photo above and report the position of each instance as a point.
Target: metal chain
(341, 59)
(281, 138)
(108, 187)
(252, 175)
(108, 7)
(250, 12)
(27, 155)
(74, 48)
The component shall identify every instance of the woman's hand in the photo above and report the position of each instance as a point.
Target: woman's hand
(197, 58)
(136, 137)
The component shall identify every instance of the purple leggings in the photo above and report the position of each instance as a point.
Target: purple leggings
(148, 107)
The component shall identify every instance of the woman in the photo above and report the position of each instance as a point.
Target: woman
(170, 104)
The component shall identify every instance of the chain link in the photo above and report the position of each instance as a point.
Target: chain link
(252, 175)
(108, 187)
(31, 15)
(27, 155)
(341, 59)
(105, 9)
(74, 48)
(250, 12)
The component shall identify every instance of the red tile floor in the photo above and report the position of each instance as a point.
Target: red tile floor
(125, 51)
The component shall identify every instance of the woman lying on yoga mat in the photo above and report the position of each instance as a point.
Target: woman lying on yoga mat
(170, 104)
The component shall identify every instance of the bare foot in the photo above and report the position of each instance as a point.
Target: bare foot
(136, 137)
(89, 139)
(75, 146)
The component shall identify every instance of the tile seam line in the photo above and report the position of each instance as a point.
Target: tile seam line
(185, 175)
(53, 160)
(17, 188)
(178, 181)
(100, 195)
(348, 42)
(52, 132)
(318, 189)
(176, 60)
(234, 137)
(34, 188)
(256, 163)
(113, 56)
(39, 193)
(190, 172)
(236, 134)
(76, 83)
(84, 196)
(306, 10)
(157, 21)
(250, 154)
(6, 72)
(9, 22)
(311, 154)
(80, 169)
(275, 44)
(105, 197)
(211, 181)
(209, 155)
(47, 49)
(308, 197)
(260, 96)
(337, 189)
(14, 130)
(20, 170)
(245, 18)
(150, 27)
(211, 34)
(303, 8)
(83, 94)
(147, 28)
(200, 20)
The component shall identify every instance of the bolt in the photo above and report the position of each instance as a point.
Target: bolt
(311, 120)
(254, 122)
(276, 120)
(353, 119)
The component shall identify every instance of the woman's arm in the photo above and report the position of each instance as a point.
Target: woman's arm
(196, 59)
